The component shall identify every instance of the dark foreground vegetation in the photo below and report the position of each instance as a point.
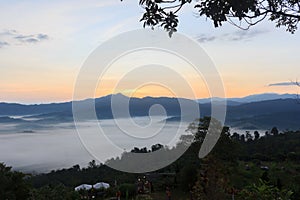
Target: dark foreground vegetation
(241, 166)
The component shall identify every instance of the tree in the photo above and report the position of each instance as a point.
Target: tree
(199, 128)
(236, 136)
(256, 135)
(92, 164)
(267, 133)
(243, 138)
(248, 136)
(242, 14)
(212, 182)
(274, 131)
(156, 147)
(12, 184)
(225, 148)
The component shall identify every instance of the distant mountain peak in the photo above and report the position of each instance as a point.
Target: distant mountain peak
(120, 95)
(250, 98)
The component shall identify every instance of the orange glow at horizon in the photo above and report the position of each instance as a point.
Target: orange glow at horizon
(58, 87)
(27, 94)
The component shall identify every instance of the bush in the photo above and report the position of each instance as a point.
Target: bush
(111, 192)
(265, 192)
(129, 189)
(143, 197)
(58, 192)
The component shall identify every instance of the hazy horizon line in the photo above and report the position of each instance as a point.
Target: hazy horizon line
(148, 96)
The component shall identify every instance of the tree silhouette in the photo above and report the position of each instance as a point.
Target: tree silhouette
(12, 184)
(274, 131)
(256, 135)
(243, 14)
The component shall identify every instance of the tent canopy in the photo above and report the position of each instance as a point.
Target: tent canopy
(101, 185)
(83, 187)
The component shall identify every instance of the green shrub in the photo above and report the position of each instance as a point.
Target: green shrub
(143, 197)
(128, 190)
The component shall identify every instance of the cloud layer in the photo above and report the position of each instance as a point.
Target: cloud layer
(235, 36)
(283, 84)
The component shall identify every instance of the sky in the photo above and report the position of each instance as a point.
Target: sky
(43, 45)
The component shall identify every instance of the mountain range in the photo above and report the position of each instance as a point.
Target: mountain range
(262, 111)
(250, 98)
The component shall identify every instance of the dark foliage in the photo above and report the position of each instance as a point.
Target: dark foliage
(243, 14)
(12, 184)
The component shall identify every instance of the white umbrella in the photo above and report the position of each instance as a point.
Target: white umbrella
(101, 185)
(83, 187)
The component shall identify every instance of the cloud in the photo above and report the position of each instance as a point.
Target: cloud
(2, 44)
(31, 38)
(244, 35)
(235, 36)
(17, 38)
(204, 38)
(283, 84)
(8, 32)
(43, 36)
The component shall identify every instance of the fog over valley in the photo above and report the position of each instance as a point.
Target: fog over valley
(59, 146)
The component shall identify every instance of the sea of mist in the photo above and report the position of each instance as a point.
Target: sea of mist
(59, 146)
